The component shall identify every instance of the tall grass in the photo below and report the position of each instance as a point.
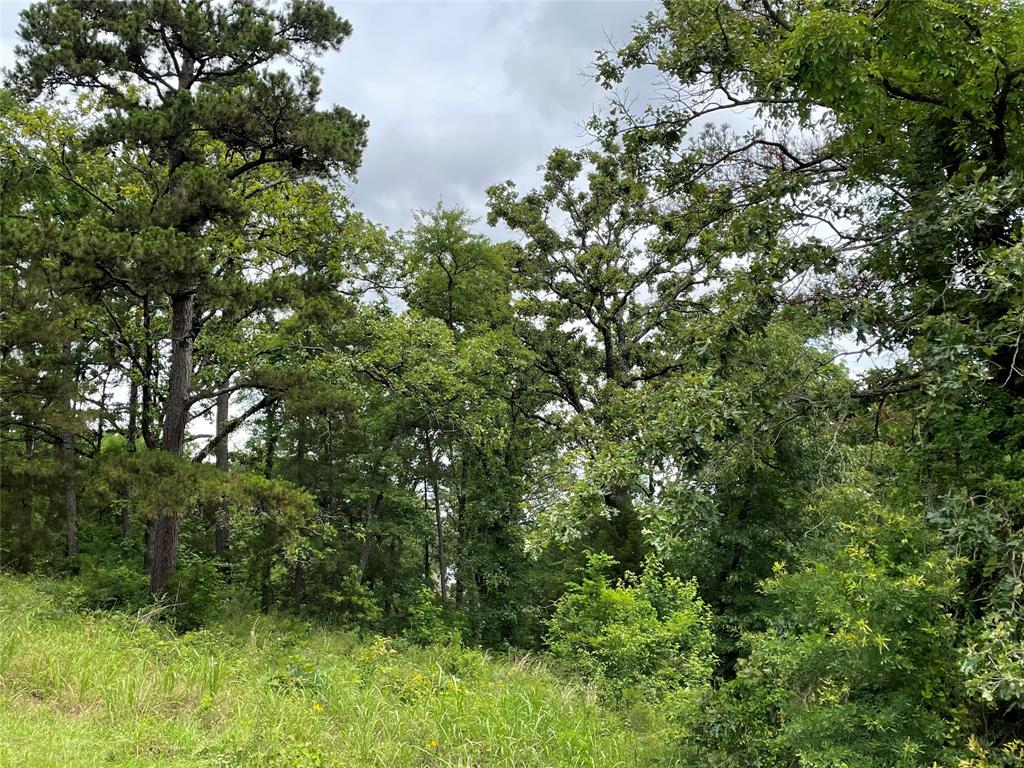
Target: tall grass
(112, 690)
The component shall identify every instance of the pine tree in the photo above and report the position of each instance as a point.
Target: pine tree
(187, 88)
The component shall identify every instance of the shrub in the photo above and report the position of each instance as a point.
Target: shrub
(430, 622)
(110, 584)
(859, 668)
(648, 633)
(194, 593)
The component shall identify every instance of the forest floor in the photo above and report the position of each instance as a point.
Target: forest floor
(106, 689)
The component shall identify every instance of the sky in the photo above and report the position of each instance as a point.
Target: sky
(459, 95)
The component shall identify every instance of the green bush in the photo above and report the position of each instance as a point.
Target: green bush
(648, 633)
(106, 584)
(429, 622)
(194, 593)
(859, 668)
(345, 601)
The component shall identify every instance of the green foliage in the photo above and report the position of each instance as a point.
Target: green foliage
(347, 602)
(428, 622)
(440, 426)
(195, 595)
(858, 667)
(105, 584)
(993, 663)
(648, 634)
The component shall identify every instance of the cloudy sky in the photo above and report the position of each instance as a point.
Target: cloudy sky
(459, 95)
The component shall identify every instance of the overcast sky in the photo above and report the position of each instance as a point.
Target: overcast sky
(459, 95)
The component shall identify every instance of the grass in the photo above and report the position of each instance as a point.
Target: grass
(107, 689)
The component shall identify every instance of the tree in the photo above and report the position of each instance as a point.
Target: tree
(484, 438)
(653, 321)
(890, 138)
(185, 90)
(49, 343)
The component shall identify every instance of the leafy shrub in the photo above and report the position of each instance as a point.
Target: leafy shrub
(859, 668)
(1009, 755)
(348, 602)
(994, 662)
(194, 593)
(430, 622)
(106, 584)
(648, 633)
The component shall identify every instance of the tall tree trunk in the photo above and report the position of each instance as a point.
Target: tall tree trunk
(426, 559)
(147, 547)
(180, 380)
(148, 377)
(168, 522)
(441, 574)
(220, 524)
(146, 418)
(70, 491)
(369, 523)
(133, 434)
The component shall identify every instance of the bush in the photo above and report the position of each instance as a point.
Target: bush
(648, 633)
(106, 584)
(859, 669)
(194, 593)
(430, 622)
(347, 602)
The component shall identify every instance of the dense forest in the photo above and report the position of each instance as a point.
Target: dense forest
(724, 419)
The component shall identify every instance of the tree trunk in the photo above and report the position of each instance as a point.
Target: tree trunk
(220, 524)
(133, 434)
(180, 380)
(441, 573)
(297, 587)
(167, 525)
(70, 491)
(369, 523)
(147, 547)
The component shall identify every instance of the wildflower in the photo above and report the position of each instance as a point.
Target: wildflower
(318, 707)
(432, 743)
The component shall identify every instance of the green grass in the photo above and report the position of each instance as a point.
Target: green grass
(79, 689)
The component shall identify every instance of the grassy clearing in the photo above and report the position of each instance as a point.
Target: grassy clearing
(112, 690)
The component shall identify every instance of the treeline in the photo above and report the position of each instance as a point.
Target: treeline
(222, 382)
